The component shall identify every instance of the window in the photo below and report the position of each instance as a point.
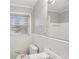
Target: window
(19, 24)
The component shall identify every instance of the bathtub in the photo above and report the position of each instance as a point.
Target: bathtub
(60, 47)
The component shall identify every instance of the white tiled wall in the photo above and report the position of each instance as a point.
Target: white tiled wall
(58, 26)
(59, 30)
(19, 42)
(20, 9)
(64, 17)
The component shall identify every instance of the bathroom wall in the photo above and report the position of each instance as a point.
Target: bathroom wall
(64, 17)
(64, 28)
(59, 17)
(60, 47)
(58, 26)
(19, 42)
(64, 31)
(39, 17)
(54, 16)
(20, 9)
(59, 31)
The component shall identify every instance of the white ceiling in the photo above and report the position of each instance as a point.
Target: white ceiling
(29, 3)
(59, 6)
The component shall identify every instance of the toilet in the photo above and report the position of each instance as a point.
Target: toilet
(35, 56)
(39, 56)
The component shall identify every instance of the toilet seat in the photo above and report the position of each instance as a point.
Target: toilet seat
(39, 56)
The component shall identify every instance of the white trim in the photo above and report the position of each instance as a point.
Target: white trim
(20, 13)
(24, 6)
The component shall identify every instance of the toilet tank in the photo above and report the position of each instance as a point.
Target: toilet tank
(33, 49)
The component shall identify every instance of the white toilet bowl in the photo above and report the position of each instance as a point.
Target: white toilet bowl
(39, 56)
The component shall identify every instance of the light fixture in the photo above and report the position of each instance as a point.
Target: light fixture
(51, 1)
(46, 0)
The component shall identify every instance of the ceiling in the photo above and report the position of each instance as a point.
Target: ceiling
(29, 3)
(59, 6)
